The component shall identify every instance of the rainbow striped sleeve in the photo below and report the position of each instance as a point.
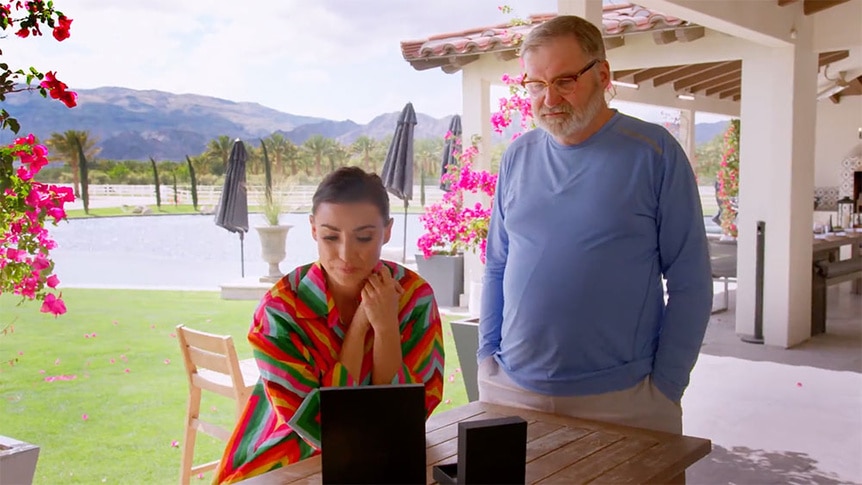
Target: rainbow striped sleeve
(421, 337)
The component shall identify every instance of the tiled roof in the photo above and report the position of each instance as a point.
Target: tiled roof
(617, 20)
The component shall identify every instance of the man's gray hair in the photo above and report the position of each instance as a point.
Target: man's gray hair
(589, 37)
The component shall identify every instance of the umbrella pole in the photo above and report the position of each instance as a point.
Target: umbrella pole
(241, 254)
(404, 246)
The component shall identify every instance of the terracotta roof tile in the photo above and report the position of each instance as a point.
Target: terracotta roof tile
(617, 20)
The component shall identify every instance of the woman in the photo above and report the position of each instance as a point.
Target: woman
(349, 319)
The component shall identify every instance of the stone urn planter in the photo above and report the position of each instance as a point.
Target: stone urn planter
(273, 242)
(17, 461)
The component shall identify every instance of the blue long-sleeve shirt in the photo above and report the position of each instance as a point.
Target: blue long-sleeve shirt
(579, 241)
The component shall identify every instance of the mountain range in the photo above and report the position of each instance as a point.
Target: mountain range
(134, 124)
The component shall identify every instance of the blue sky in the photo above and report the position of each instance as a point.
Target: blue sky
(336, 59)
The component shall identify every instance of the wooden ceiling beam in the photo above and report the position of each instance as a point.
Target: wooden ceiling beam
(782, 3)
(647, 74)
(706, 75)
(681, 73)
(832, 56)
(619, 75)
(731, 76)
(724, 87)
(737, 97)
(730, 93)
(814, 6)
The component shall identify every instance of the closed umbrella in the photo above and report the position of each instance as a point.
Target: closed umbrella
(232, 211)
(398, 167)
(451, 149)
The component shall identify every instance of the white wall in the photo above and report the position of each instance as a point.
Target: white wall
(837, 133)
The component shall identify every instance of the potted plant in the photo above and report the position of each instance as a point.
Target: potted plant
(453, 226)
(273, 236)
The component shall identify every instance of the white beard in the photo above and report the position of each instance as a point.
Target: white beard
(562, 128)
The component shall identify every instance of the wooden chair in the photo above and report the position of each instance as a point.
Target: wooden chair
(722, 255)
(211, 365)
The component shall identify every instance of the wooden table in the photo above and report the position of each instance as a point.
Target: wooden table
(560, 449)
(826, 248)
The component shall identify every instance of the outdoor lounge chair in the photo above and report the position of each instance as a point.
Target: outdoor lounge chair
(722, 257)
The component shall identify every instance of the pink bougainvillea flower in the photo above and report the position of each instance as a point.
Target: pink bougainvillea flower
(85, 416)
(175, 444)
(53, 305)
(93, 335)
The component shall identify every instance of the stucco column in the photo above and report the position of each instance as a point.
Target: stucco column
(779, 87)
(686, 134)
(475, 120)
(588, 9)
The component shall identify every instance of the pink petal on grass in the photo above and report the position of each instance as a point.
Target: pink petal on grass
(85, 416)
(86, 335)
(167, 361)
(451, 378)
(214, 408)
(448, 401)
(93, 335)
(115, 322)
(458, 369)
(41, 371)
(200, 476)
(57, 362)
(175, 444)
(21, 352)
(173, 335)
(112, 361)
(798, 384)
(153, 326)
(127, 370)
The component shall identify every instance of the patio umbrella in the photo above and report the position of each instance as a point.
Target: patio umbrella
(398, 167)
(232, 211)
(450, 148)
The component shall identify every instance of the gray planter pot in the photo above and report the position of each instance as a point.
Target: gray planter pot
(466, 336)
(17, 461)
(445, 274)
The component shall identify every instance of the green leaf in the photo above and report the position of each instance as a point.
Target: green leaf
(29, 78)
(13, 125)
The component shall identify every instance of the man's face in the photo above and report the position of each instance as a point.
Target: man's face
(564, 116)
(349, 240)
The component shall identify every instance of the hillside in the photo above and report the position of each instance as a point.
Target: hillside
(134, 125)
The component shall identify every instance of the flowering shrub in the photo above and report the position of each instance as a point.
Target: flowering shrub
(450, 226)
(26, 268)
(728, 178)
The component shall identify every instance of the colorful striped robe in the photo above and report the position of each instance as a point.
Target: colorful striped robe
(296, 338)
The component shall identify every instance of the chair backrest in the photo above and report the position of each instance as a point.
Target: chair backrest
(211, 363)
(722, 257)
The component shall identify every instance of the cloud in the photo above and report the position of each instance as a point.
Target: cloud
(331, 58)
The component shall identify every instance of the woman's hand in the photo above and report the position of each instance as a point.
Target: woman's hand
(380, 301)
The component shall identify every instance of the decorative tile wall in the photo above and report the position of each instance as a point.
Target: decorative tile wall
(848, 166)
(826, 198)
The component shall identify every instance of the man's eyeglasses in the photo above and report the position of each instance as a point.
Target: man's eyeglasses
(563, 85)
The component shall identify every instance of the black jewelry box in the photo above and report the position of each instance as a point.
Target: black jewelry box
(492, 451)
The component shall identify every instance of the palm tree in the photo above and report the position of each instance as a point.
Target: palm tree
(338, 156)
(318, 147)
(365, 147)
(66, 146)
(282, 150)
(218, 150)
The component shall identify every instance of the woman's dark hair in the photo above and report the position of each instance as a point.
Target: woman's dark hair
(350, 185)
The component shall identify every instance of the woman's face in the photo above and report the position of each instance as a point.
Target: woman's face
(349, 239)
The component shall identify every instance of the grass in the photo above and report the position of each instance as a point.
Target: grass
(131, 417)
(127, 211)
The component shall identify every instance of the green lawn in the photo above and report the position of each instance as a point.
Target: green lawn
(115, 417)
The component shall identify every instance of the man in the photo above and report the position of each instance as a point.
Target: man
(590, 214)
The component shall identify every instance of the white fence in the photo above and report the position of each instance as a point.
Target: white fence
(296, 197)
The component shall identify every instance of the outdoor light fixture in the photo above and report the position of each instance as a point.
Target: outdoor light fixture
(686, 97)
(625, 85)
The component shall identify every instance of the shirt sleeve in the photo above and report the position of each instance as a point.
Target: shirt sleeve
(496, 254)
(684, 256)
(421, 342)
(290, 379)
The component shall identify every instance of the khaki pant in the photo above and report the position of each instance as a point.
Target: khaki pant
(641, 406)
